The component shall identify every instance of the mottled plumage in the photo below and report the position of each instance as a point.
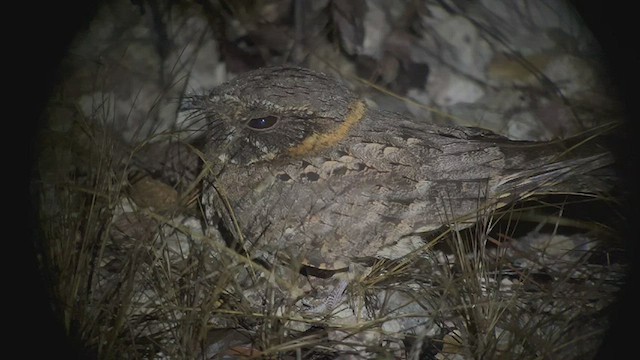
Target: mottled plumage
(300, 165)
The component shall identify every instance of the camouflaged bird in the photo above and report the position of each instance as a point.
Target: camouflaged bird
(300, 165)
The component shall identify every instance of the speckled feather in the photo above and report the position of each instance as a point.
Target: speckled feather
(333, 179)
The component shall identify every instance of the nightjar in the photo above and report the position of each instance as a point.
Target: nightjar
(299, 165)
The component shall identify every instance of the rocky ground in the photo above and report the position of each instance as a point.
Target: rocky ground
(135, 275)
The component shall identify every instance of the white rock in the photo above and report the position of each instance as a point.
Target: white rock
(449, 89)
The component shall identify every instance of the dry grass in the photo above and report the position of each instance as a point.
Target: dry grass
(133, 282)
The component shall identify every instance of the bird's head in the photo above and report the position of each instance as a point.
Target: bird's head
(274, 113)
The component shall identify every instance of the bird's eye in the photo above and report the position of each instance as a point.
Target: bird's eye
(262, 123)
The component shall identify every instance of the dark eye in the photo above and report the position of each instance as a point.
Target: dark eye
(262, 123)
